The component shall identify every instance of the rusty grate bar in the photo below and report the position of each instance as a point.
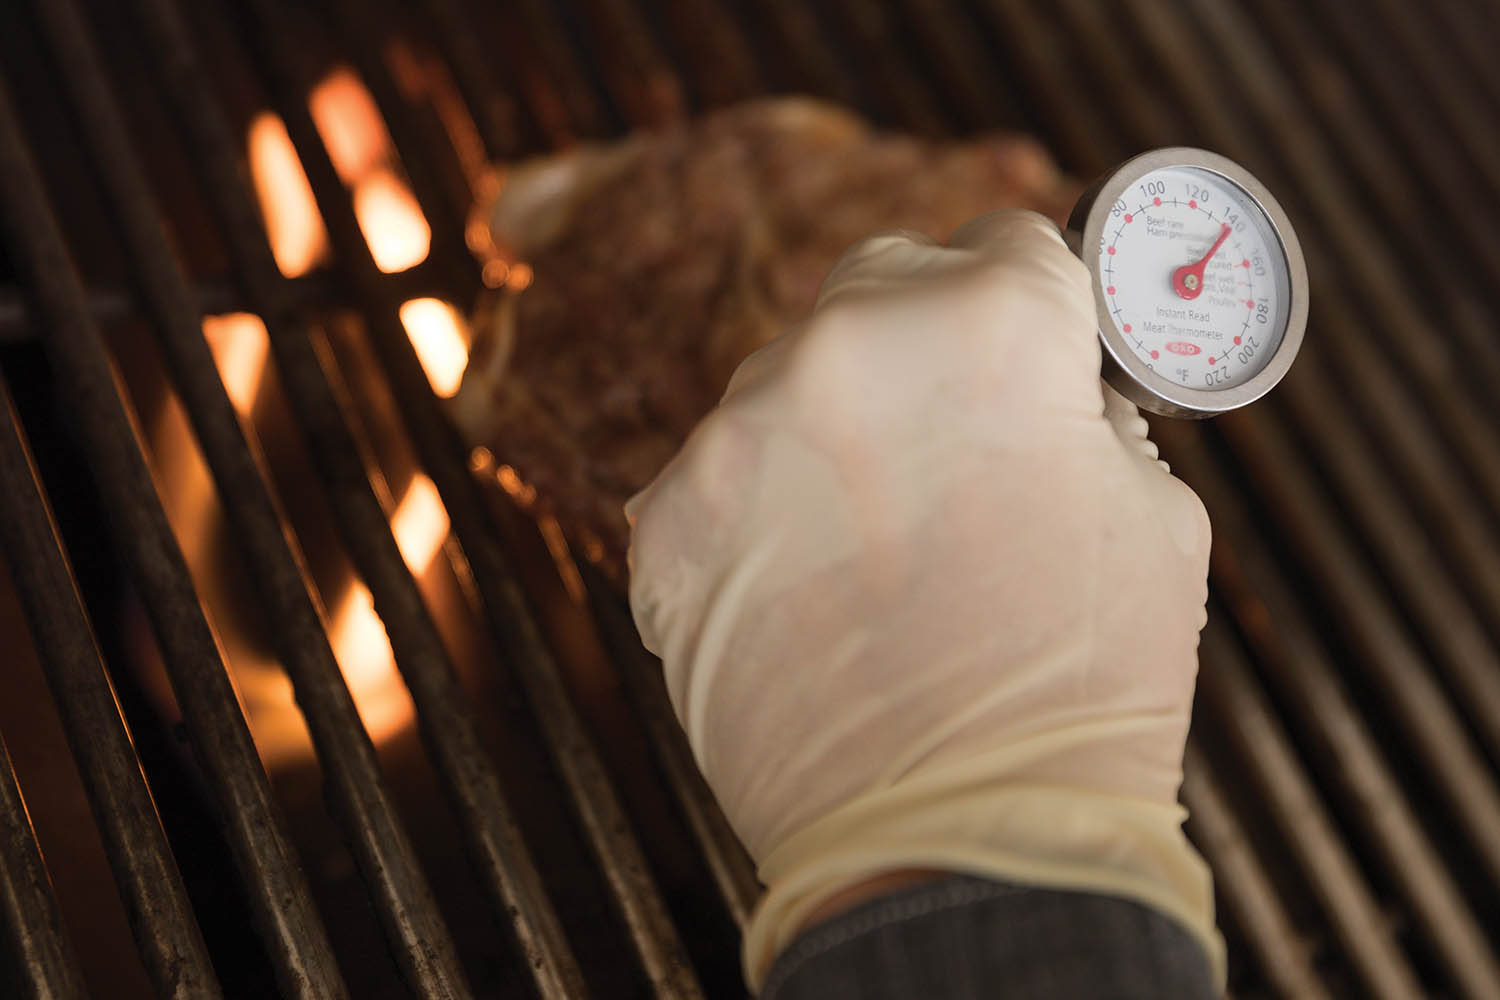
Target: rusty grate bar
(1317, 419)
(728, 864)
(733, 871)
(448, 724)
(713, 49)
(46, 964)
(801, 56)
(278, 891)
(1290, 652)
(444, 217)
(1351, 675)
(1041, 53)
(1244, 884)
(212, 296)
(416, 932)
(594, 800)
(1234, 701)
(161, 918)
(492, 111)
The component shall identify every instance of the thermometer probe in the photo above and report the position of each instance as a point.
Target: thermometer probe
(1199, 282)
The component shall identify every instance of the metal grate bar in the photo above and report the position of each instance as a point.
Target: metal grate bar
(1445, 97)
(253, 828)
(905, 98)
(1292, 656)
(594, 799)
(1464, 25)
(714, 49)
(1373, 625)
(444, 217)
(46, 966)
(731, 867)
(1234, 702)
(1373, 279)
(1425, 586)
(1040, 53)
(1244, 884)
(492, 111)
(166, 933)
(728, 864)
(1377, 149)
(447, 722)
(971, 85)
(1138, 107)
(398, 888)
(1427, 591)
(635, 74)
(108, 304)
(1386, 394)
(1472, 543)
(800, 53)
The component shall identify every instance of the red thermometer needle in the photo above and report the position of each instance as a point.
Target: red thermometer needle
(1187, 280)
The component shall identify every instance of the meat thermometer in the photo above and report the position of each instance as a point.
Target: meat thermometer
(1199, 282)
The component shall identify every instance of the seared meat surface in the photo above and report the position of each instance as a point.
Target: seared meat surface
(661, 261)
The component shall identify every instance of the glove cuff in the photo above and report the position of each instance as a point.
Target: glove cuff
(960, 819)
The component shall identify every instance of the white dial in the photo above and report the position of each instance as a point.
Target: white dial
(1194, 277)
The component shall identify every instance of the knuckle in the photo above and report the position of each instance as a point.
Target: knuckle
(835, 341)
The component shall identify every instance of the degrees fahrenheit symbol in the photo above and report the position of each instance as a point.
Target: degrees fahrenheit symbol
(1187, 280)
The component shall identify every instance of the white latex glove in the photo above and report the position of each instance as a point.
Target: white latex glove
(924, 596)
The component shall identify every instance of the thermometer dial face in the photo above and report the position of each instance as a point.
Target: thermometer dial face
(1200, 285)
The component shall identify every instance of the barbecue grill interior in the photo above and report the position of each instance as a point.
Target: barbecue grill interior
(239, 245)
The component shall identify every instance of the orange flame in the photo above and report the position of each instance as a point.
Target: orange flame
(437, 332)
(364, 156)
(420, 524)
(369, 667)
(392, 222)
(293, 225)
(239, 344)
(399, 237)
(350, 124)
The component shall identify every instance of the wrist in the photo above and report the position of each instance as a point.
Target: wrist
(845, 899)
(962, 820)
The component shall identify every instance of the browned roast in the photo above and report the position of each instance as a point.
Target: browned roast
(663, 260)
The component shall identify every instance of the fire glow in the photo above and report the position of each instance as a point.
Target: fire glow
(399, 238)
(294, 227)
(420, 524)
(350, 126)
(437, 334)
(239, 344)
(364, 654)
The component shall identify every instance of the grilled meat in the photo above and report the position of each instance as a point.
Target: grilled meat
(660, 262)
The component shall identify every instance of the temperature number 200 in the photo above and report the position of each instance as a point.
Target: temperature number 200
(1248, 351)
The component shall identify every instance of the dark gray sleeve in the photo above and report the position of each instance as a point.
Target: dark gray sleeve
(965, 938)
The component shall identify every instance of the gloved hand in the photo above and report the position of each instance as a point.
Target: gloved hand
(924, 596)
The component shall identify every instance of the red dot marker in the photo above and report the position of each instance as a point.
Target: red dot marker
(1154, 355)
(1127, 216)
(1210, 360)
(1192, 203)
(1110, 290)
(1244, 263)
(1156, 201)
(1127, 327)
(1250, 303)
(1236, 341)
(1111, 251)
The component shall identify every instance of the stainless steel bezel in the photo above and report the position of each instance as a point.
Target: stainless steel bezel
(1121, 368)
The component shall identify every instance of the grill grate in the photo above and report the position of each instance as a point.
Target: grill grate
(1343, 772)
